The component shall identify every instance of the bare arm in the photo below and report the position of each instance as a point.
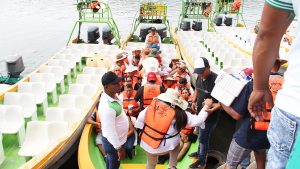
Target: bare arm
(274, 23)
(231, 112)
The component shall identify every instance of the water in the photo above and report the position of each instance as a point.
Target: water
(37, 29)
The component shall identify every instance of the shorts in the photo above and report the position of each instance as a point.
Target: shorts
(236, 154)
(99, 139)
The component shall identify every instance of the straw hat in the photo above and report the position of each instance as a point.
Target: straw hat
(121, 56)
(131, 68)
(173, 96)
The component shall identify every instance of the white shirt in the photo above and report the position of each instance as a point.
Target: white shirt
(114, 128)
(288, 98)
(171, 143)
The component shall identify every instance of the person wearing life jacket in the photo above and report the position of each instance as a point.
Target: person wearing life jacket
(117, 71)
(131, 106)
(133, 72)
(169, 82)
(182, 84)
(161, 122)
(182, 73)
(122, 61)
(129, 80)
(149, 91)
(95, 121)
(136, 57)
(152, 37)
(95, 6)
(150, 65)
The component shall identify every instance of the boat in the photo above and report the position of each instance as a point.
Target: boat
(43, 114)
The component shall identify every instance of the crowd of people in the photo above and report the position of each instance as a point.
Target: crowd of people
(154, 105)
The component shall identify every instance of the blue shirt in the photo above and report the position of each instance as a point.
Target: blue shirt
(244, 136)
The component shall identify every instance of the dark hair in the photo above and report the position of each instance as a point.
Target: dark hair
(181, 118)
(128, 86)
(182, 80)
(129, 77)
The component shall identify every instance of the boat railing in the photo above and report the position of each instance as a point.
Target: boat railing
(196, 10)
(101, 16)
(230, 7)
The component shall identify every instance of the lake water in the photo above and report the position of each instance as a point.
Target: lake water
(37, 29)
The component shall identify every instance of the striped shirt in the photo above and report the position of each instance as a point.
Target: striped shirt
(281, 4)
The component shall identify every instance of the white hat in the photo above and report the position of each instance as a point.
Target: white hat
(150, 64)
(131, 68)
(173, 96)
(200, 65)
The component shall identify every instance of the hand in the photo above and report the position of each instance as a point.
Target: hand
(194, 106)
(121, 154)
(208, 102)
(215, 107)
(257, 103)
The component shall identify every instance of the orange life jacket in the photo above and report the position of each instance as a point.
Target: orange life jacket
(262, 125)
(166, 85)
(158, 119)
(275, 84)
(94, 5)
(129, 100)
(153, 39)
(187, 130)
(150, 92)
(98, 121)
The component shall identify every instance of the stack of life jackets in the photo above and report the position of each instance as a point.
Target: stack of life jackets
(153, 39)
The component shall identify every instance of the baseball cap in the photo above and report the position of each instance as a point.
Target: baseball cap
(151, 76)
(110, 78)
(200, 65)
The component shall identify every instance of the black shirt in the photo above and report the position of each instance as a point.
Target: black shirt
(244, 136)
(204, 89)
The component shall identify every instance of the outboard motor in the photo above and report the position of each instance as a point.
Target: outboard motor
(144, 30)
(93, 34)
(228, 21)
(162, 31)
(197, 25)
(15, 66)
(218, 20)
(107, 35)
(185, 25)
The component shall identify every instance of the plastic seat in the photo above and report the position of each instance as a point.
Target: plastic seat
(90, 90)
(89, 79)
(49, 80)
(36, 139)
(71, 59)
(71, 115)
(55, 114)
(94, 70)
(83, 89)
(25, 100)
(59, 75)
(76, 89)
(2, 156)
(36, 88)
(65, 64)
(73, 101)
(56, 131)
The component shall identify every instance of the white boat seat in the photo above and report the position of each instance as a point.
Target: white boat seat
(36, 138)
(49, 80)
(2, 156)
(72, 61)
(89, 79)
(65, 64)
(55, 114)
(38, 89)
(58, 72)
(12, 121)
(25, 100)
(73, 101)
(71, 115)
(94, 70)
(56, 131)
(83, 89)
